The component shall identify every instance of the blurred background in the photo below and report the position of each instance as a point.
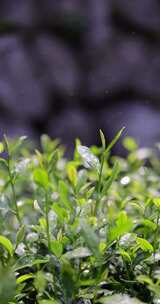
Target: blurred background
(71, 67)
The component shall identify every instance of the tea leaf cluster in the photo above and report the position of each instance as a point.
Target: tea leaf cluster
(80, 231)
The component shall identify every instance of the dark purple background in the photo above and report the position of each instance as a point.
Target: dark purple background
(70, 67)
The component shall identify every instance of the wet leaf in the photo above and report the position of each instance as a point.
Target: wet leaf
(78, 253)
(121, 299)
(89, 159)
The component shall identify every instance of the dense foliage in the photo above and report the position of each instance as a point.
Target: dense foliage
(81, 231)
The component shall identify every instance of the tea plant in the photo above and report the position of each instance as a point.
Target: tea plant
(80, 231)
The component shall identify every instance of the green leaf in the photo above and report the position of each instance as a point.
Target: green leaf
(144, 244)
(64, 195)
(39, 262)
(48, 302)
(40, 177)
(156, 202)
(123, 225)
(7, 285)
(53, 158)
(3, 163)
(42, 222)
(29, 263)
(14, 146)
(20, 235)
(103, 140)
(123, 222)
(61, 212)
(24, 278)
(69, 280)
(40, 281)
(91, 239)
(130, 144)
(80, 252)
(116, 138)
(145, 279)
(1, 147)
(6, 243)
(72, 173)
(89, 159)
(125, 255)
(37, 207)
(149, 224)
(48, 145)
(119, 299)
(57, 248)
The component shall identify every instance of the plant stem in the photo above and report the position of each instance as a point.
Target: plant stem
(15, 201)
(47, 220)
(99, 184)
(156, 234)
(100, 174)
(12, 183)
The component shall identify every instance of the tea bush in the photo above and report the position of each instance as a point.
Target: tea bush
(80, 231)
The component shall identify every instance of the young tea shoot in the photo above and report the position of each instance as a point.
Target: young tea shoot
(80, 231)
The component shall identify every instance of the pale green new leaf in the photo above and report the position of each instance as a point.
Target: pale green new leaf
(20, 235)
(113, 142)
(103, 140)
(57, 248)
(64, 195)
(24, 278)
(40, 177)
(144, 244)
(1, 147)
(6, 244)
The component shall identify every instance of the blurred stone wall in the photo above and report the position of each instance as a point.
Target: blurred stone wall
(70, 67)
